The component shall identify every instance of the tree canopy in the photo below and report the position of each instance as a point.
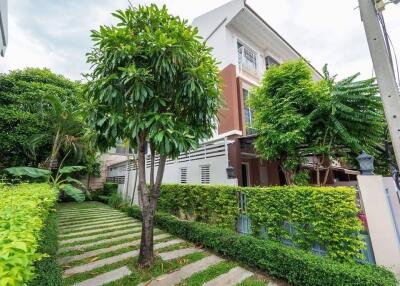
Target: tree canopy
(24, 113)
(153, 83)
(296, 116)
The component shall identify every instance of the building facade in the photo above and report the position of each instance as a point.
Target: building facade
(245, 46)
(3, 27)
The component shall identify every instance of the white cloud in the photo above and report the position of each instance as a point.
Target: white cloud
(56, 34)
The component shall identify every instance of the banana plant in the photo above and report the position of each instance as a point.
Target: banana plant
(61, 181)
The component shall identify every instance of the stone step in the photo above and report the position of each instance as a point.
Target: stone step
(99, 236)
(111, 260)
(170, 255)
(67, 211)
(95, 226)
(90, 244)
(72, 212)
(68, 223)
(105, 278)
(86, 217)
(183, 273)
(94, 223)
(100, 229)
(68, 259)
(230, 278)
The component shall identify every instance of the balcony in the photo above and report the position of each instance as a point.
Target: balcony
(248, 61)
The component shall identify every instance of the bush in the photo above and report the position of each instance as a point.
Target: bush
(23, 210)
(48, 272)
(103, 195)
(324, 216)
(295, 266)
(211, 204)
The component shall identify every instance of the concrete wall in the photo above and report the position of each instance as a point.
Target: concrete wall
(381, 224)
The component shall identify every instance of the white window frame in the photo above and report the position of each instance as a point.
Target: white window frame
(185, 181)
(209, 174)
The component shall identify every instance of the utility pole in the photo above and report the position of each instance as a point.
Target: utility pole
(383, 69)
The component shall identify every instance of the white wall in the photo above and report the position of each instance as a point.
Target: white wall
(4, 25)
(382, 231)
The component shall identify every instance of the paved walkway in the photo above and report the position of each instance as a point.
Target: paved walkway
(100, 245)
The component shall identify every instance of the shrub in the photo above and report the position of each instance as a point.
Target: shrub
(48, 272)
(23, 210)
(295, 266)
(211, 204)
(104, 193)
(324, 216)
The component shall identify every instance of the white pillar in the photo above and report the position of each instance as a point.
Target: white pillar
(382, 230)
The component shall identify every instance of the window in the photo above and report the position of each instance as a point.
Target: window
(248, 113)
(183, 175)
(247, 57)
(205, 174)
(270, 61)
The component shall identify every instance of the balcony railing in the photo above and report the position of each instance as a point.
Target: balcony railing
(247, 60)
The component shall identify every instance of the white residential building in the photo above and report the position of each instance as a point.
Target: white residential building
(245, 45)
(3, 27)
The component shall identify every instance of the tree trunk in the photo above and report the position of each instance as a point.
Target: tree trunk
(148, 200)
(146, 255)
(326, 175)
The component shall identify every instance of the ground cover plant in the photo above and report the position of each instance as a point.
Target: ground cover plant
(24, 210)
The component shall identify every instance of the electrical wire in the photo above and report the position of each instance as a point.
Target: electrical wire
(389, 43)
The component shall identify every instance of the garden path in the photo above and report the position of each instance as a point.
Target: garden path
(99, 246)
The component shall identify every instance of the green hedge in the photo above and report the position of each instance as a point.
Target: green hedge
(24, 209)
(47, 270)
(295, 266)
(211, 204)
(324, 216)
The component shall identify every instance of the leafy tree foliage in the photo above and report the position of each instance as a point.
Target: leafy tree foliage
(24, 113)
(296, 116)
(154, 83)
(349, 118)
(281, 106)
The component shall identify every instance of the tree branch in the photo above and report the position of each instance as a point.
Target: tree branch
(157, 185)
(152, 167)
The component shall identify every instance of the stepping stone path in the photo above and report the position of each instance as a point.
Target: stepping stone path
(99, 245)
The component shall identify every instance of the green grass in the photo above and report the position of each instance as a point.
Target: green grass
(254, 281)
(99, 231)
(208, 274)
(138, 275)
(105, 245)
(128, 231)
(95, 227)
(123, 250)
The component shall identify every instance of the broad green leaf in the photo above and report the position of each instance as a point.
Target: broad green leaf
(71, 169)
(73, 192)
(72, 180)
(28, 171)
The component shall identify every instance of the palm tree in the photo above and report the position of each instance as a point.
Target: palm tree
(348, 119)
(66, 130)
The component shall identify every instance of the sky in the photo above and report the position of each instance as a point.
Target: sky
(56, 33)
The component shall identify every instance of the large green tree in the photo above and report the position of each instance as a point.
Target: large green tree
(282, 105)
(25, 114)
(349, 118)
(296, 117)
(153, 83)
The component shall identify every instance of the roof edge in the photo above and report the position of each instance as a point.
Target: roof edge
(247, 6)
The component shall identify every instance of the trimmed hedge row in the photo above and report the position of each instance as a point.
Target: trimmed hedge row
(47, 270)
(295, 266)
(216, 205)
(324, 216)
(24, 209)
